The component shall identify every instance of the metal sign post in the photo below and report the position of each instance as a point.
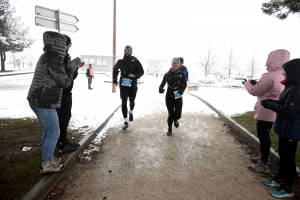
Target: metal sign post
(55, 19)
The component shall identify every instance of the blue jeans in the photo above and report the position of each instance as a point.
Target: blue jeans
(49, 120)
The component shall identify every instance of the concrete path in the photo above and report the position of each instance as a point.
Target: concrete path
(200, 161)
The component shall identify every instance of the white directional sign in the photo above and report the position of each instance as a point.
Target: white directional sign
(53, 14)
(55, 19)
(49, 23)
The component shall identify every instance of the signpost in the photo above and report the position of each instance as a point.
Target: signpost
(55, 19)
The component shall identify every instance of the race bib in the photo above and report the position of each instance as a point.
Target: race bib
(126, 82)
(177, 95)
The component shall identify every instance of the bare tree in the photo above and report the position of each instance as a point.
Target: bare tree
(207, 61)
(30, 58)
(232, 61)
(23, 56)
(13, 58)
(253, 64)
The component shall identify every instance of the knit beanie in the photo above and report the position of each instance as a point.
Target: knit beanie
(129, 48)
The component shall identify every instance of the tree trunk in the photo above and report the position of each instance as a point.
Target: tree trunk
(3, 58)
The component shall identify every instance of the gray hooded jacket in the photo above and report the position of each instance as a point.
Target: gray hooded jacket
(50, 77)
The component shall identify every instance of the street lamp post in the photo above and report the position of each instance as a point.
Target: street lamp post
(114, 45)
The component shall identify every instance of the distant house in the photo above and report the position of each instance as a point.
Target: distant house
(100, 63)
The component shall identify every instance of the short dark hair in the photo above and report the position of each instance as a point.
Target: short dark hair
(90, 65)
(181, 59)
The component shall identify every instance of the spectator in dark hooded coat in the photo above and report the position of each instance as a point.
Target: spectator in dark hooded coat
(45, 94)
(287, 126)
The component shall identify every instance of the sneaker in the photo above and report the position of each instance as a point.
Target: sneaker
(169, 133)
(69, 147)
(125, 126)
(281, 192)
(130, 116)
(257, 159)
(52, 166)
(260, 167)
(176, 124)
(272, 182)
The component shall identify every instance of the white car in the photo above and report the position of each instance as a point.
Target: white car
(234, 82)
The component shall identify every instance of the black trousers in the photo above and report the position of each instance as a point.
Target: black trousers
(287, 163)
(263, 129)
(90, 81)
(125, 93)
(174, 107)
(64, 116)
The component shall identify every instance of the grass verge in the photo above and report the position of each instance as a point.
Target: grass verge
(248, 122)
(20, 170)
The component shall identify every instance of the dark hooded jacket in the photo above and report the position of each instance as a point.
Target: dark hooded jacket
(50, 76)
(175, 80)
(287, 123)
(126, 67)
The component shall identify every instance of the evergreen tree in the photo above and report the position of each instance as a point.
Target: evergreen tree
(12, 34)
(281, 8)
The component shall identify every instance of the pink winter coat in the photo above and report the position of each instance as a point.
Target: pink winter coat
(269, 86)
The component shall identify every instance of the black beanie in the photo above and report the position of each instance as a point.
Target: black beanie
(68, 40)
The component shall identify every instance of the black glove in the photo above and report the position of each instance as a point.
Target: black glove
(73, 64)
(244, 81)
(267, 103)
(180, 92)
(253, 82)
(161, 90)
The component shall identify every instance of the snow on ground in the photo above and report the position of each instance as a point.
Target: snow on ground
(92, 107)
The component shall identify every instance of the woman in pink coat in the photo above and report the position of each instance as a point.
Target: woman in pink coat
(268, 87)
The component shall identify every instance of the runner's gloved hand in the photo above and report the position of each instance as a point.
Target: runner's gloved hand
(161, 90)
(180, 92)
(253, 82)
(73, 64)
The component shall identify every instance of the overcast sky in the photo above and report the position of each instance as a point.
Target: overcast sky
(163, 29)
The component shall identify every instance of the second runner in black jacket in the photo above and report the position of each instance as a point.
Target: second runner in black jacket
(131, 69)
(176, 82)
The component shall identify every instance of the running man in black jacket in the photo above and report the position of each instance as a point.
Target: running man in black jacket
(131, 69)
(176, 82)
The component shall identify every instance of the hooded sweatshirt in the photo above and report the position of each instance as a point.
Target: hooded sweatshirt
(50, 76)
(269, 86)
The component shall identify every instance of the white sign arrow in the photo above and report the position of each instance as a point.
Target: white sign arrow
(53, 14)
(49, 23)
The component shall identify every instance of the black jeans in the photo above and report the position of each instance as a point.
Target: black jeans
(263, 132)
(174, 107)
(287, 163)
(64, 116)
(90, 81)
(125, 93)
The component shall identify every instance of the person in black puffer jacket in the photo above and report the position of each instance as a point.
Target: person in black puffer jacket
(45, 95)
(176, 82)
(287, 126)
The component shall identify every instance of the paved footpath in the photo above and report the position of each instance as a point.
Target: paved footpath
(200, 161)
